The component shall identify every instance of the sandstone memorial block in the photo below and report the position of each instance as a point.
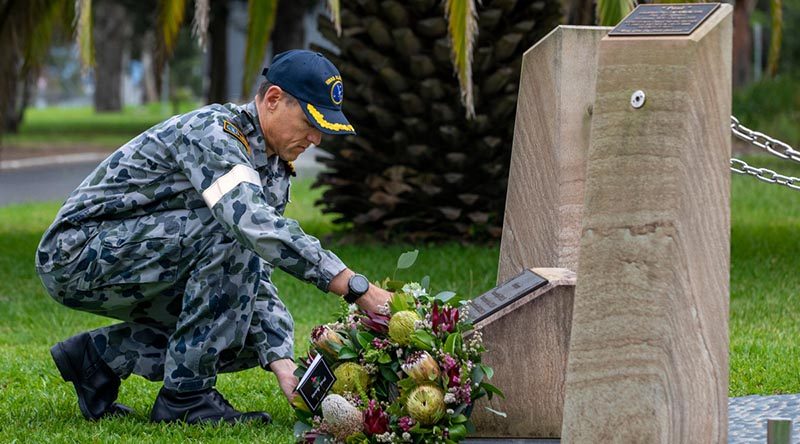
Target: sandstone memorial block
(618, 197)
(648, 358)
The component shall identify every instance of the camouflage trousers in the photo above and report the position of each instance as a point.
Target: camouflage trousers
(194, 301)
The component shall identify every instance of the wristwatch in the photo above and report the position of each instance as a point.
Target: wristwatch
(356, 287)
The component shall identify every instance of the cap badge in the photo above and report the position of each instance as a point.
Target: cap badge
(337, 92)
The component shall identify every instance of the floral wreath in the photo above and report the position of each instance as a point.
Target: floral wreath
(409, 374)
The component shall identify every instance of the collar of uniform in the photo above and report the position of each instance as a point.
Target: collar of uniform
(278, 168)
(252, 130)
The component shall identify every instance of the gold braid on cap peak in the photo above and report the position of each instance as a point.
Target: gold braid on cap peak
(320, 119)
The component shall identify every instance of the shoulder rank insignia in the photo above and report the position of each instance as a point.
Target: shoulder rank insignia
(234, 131)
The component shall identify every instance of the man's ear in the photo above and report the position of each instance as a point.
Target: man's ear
(273, 96)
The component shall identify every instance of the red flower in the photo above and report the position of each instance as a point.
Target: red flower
(445, 319)
(376, 421)
(452, 370)
(311, 437)
(379, 323)
(309, 357)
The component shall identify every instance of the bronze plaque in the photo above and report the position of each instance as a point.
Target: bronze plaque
(664, 19)
(488, 303)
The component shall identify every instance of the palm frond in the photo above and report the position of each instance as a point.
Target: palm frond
(202, 12)
(170, 17)
(261, 20)
(83, 32)
(335, 7)
(611, 12)
(776, 37)
(38, 42)
(462, 27)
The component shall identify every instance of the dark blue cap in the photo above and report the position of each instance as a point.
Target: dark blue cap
(316, 84)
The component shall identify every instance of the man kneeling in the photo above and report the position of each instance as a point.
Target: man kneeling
(176, 234)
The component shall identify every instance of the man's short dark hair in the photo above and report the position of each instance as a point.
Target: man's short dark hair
(264, 86)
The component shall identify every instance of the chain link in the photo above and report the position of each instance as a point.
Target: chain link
(772, 146)
(763, 141)
(764, 174)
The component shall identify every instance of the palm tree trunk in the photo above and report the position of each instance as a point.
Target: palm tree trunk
(218, 66)
(150, 90)
(742, 42)
(111, 34)
(578, 12)
(288, 32)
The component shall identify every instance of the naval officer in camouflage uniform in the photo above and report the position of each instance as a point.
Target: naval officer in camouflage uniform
(177, 234)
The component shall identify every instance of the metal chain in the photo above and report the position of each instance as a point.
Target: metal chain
(773, 146)
(764, 174)
(763, 141)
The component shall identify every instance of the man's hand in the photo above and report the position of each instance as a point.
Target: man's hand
(372, 300)
(284, 371)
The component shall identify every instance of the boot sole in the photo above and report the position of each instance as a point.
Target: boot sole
(68, 373)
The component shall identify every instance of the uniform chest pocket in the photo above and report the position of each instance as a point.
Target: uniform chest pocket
(276, 190)
(124, 257)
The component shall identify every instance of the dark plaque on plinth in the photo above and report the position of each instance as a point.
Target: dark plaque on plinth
(504, 294)
(664, 19)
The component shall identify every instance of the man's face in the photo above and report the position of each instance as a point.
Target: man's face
(287, 130)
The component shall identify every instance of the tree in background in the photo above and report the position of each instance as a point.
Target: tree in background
(26, 30)
(217, 31)
(111, 33)
(209, 25)
(790, 50)
(424, 164)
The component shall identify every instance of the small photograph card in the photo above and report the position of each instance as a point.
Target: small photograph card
(315, 383)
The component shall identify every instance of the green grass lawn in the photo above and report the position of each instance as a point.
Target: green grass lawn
(37, 406)
(82, 126)
(765, 283)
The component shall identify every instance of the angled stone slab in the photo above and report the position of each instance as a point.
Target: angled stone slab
(542, 227)
(544, 202)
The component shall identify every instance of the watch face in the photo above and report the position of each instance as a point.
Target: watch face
(359, 284)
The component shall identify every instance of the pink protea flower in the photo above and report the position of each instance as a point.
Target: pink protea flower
(444, 319)
(376, 421)
(323, 337)
(377, 322)
(421, 367)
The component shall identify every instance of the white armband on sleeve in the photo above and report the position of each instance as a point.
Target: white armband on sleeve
(223, 185)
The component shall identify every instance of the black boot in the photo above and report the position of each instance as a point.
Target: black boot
(201, 406)
(95, 383)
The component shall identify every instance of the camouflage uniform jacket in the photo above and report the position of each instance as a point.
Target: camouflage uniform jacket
(214, 156)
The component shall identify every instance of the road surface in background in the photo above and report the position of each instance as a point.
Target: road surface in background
(54, 182)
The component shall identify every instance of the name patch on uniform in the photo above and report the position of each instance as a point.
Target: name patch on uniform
(234, 131)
